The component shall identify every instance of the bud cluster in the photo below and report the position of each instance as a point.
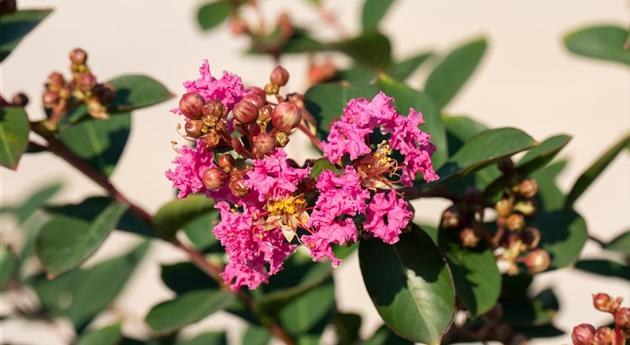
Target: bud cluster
(587, 334)
(18, 100)
(61, 95)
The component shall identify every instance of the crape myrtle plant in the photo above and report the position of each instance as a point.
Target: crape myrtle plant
(263, 232)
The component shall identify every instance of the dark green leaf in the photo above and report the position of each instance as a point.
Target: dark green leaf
(136, 91)
(301, 42)
(459, 129)
(177, 213)
(186, 309)
(594, 170)
(255, 335)
(65, 242)
(402, 70)
(370, 48)
(410, 285)
(213, 13)
(383, 336)
(549, 197)
(81, 294)
(373, 13)
(620, 243)
(542, 154)
(448, 77)
(310, 311)
(407, 98)
(14, 130)
(15, 26)
(326, 102)
(604, 268)
(99, 143)
(604, 42)
(199, 230)
(563, 235)
(183, 277)
(36, 201)
(208, 338)
(356, 75)
(347, 327)
(110, 335)
(525, 311)
(8, 265)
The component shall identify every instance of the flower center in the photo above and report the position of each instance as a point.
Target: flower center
(374, 168)
(286, 214)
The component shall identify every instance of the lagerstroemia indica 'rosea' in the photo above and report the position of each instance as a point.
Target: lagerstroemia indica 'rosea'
(268, 203)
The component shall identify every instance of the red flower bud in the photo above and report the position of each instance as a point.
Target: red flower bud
(211, 139)
(226, 162)
(191, 104)
(583, 334)
(255, 90)
(451, 218)
(55, 81)
(214, 109)
(603, 302)
(264, 143)
(603, 336)
(245, 111)
(105, 92)
(515, 222)
(264, 113)
(279, 76)
(86, 81)
(528, 188)
(78, 56)
(50, 98)
(237, 185)
(469, 237)
(213, 178)
(194, 128)
(286, 116)
(622, 319)
(537, 261)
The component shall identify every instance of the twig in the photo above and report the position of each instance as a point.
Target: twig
(595, 239)
(314, 139)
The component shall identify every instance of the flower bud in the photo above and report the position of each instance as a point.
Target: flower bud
(603, 302)
(211, 139)
(279, 76)
(603, 336)
(105, 92)
(622, 319)
(271, 89)
(20, 100)
(50, 98)
(264, 113)
(214, 109)
(213, 178)
(525, 207)
(530, 237)
(451, 218)
(583, 334)
(528, 188)
(319, 73)
(237, 185)
(226, 162)
(64, 93)
(469, 237)
(282, 138)
(86, 81)
(264, 143)
(255, 90)
(194, 128)
(55, 81)
(515, 222)
(537, 261)
(245, 111)
(286, 116)
(503, 207)
(96, 109)
(191, 104)
(78, 56)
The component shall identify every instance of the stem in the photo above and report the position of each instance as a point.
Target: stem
(595, 239)
(314, 139)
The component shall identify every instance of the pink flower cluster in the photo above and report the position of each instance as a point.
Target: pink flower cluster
(189, 168)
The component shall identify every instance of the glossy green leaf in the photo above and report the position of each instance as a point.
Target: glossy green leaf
(410, 285)
(186, 309)
(36, 200)
(255, 335)
(373, 13)
(326, 102)
(372, 49)
(100, 143)
(407, 98)
(14, 130)
(605, 268)
(8, 265)
(563, 234)
(199, 230)
(347, 327)
(450, 75)
(207, 338)
(15, 26)
(309, 312)
(65, 242)
(213, 13)
(80, 295)
(549, 197)
(384, 336)
(401, 70)
(175, 214)
(605, 42)
(525, 311)
(459, 129)
(136, 91)
(183, 277)
(110, 335)
(542, 154)
(595, 169)
(620, 244)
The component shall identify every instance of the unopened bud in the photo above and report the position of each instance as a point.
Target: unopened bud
(286, 116)
(622, 319)
(191, 104)
(528, 188)
(264, 113)
(271, 89)
(530, 237)
(245, 112)
(537, 261)
(282, 138)
(469, 237)
(525, 207)
(515, 222)
(213, 178)
(279, 76)
(211, 139)
(86, 81)
(78, 56)
(255, 90)
(214, 109)
(50, 98)
(319, 73)
(105, 92)
(237, 185)
(603, 302)
(603, 336)
(20, 100)
(583, 334)
(451, 218)
(226, 162)
(55, 81)
(503, 207)
(264, 143)
(194, 128)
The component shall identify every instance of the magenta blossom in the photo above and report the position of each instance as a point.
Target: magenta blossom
(387, 215)
(189, 168)
(273, 178)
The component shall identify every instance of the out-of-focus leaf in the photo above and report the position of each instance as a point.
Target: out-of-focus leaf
(213, 13)
(563, 234)
(384, 336)
(605, 42)
(310, 312)
(550, 197)
(255, 335)
(620, 244)
(604, 268)
(187, 308)
(542, 154)
(35, 201)
(8, 265)
(14, 130)
(595, 169)
(410, 285)
(208, 338)
(175, 214)
(323, 164)
(524, 311)
(100, 143)
(373, 13)
(401, 70)
(15, 26)
(199, 230)
(347, 327)
(459, 129)
(369, 48)
(448, 77)
(110, 335)
(183, 277)
(136, 91)
(65, 242)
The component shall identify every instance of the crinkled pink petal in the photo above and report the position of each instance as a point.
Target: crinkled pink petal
(387, 216)
(273, 178)
(345, 138)
(370, 114)
(189, 168)
(320, 249)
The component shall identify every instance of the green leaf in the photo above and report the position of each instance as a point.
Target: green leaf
(213, 13)
(356, 75)
(401, 70)
(326, 102)
(310, 311)
(65, 242)
(8, 265)
(110, 335)
(15, 26)
(563, 234)
(525, 311)
(384, 336)
(620, 243)
(459, 129)
(372, 49)
(322, 164)
(549, 196)
(301, 42)
(137, 91)
(175, 214)
(604, 268)
(373, 13)
(542, 154)
(14, 130)
(99, 143)
(36, 200)
(199, 230)
(407, 98)
(183, 277)
(605, 42)
(347, 327)
(81, 294)
(186, 309)
(448, 77)
(255, 335)
(208, 338)
(594, 170)
(410, 285)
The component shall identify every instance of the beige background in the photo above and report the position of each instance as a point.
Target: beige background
(526, 80)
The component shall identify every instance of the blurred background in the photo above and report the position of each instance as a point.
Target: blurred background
(526, 80)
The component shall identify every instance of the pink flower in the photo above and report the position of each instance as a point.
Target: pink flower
(255, 253)
(387, 215)
(190, 166)
(345, 138)
(273, 178)
(370, 114)
(320, 249)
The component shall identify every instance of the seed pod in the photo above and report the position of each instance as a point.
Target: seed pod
(528, 188)
(583, 334)
(226, 162)
(515, 222)
(191, 104)
(78, 56)
(286, 116)
(214, 109)
(279, 76)
(213, 178)
(603, 336)
(245, 112)
(537, 261)
(263, 143)
(194, 128)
